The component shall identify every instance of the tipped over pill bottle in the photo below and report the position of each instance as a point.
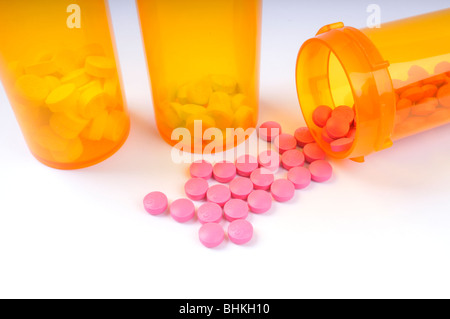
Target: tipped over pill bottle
(58, 68)
(203, 60)
(388, 82)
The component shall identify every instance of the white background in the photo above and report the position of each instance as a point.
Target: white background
(378, 229)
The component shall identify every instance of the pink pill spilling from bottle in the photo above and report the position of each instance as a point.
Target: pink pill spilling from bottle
(269, 130)
(313, 152)
(292, 158)
(196, 188)
(300, 177)
(321, 115)
(246, 164)
(259, 201)
(156, 203)
(337, 127)
(224, 172)
(321, 171)
(341, 145)
(303, 136)
(285, 142)
(182, 210)
(209, 213)
(240, 232)
(344, 112)
(261, 179)
(211, 235)
(235, 209)
(201, 169)
(219, 194)
(282, 190)
(241, 187)
(269, 160)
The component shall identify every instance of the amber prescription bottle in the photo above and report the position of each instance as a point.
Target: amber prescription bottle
(58, 68)
(396, 78)
(203, 60)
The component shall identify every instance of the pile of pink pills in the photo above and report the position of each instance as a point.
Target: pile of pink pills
(338, 126)
(246, 186)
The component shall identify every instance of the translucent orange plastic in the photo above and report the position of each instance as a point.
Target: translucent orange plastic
(58, 68)
(396, 77)
(203, 60)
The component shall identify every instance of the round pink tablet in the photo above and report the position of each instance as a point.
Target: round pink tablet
(241, 187)
(300, 177)
(321, 115)
(261, 179)
(259, 201)
(313, 152)
(240, 232)
(209, 213)
(201, 169)
(303, 136)
(219, 194)
(196, 188)
(235, 209)
(246, 164)
(269, 130)
(211, 235)
(321, 171)
(342, 144)
(156, 203)
(182, 210)
(285, 142)
(282, 190)
(292, 158)
(269, 159)
(224, 172)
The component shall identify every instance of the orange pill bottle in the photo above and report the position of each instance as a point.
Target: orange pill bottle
(58, 68)
(203, 60)
(396, 77)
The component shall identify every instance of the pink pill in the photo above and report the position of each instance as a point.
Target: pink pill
(182, 210)
(300, 177)
(285, 142)
(313, 152)
(224, 172)
(261, 179)
(209, 213)
(201, 169)
(259, 201)
(241, 187)
(303, 136)
(282, 190)
(156, 203)
(211, 235)
(240, 232)
(321, 115)
(321, 171)
(341, 145)
(269, 130)
(219, 194)
(246, 164)
(326, 137)
(235, 209)
(269, 159)
(196, 188)
(292, 158)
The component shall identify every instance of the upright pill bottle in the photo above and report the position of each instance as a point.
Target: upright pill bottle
(396, 77)
(58, 68)
(203, 60)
